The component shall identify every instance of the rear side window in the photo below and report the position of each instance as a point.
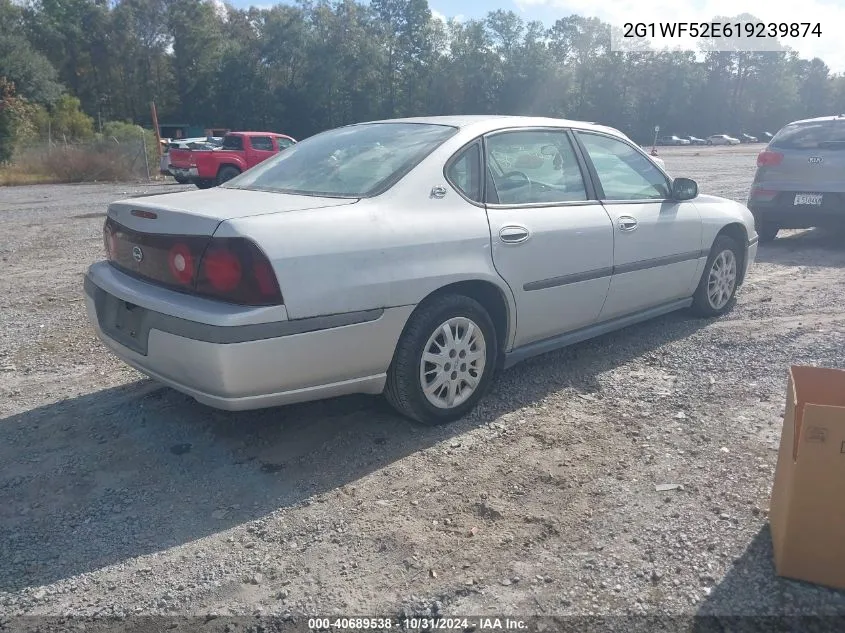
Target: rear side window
(815, 135)
(464, 173)
(233, 142)
(263, 143)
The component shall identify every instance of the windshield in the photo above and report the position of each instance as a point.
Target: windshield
(815, 135)
(356, 161)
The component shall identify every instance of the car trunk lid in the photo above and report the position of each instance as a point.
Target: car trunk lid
(200, 212)
(162, 238)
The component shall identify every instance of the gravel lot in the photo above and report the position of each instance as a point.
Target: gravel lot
(123, 497)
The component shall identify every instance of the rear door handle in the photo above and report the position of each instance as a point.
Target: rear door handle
(513, 234)
(627, 223)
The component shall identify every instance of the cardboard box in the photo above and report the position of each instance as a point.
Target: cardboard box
(807, 511)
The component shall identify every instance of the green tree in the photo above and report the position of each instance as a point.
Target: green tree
(69, 122)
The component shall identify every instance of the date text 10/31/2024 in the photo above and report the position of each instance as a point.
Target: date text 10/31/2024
(416, 624)
(717, 30)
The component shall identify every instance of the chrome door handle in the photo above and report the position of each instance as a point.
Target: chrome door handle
(513, 234)
(627, 223)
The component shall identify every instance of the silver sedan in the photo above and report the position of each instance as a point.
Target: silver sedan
(412, 257)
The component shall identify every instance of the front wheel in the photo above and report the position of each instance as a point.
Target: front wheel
(717, 289)
(181, 180)
(444, 361)
(204, 183)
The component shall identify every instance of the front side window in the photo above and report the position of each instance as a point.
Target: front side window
(464, 173)
(624, 173)
(262, 143)
(534, 167)
(350, 162)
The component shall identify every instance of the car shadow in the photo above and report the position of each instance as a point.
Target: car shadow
(813, 247)
(751, 593)
(137, 469)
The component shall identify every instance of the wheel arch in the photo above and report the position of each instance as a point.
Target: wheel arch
(737, 232)
(495, 299)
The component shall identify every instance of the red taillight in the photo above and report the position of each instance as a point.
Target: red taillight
(228, 269)
(222, 269)
(768, 158)
(763, 194)
(235, 270)
(265, 277)
(181, 263)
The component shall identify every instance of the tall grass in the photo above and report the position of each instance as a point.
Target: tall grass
(100, 161)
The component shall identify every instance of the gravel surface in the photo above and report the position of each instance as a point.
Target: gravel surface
(123, 497)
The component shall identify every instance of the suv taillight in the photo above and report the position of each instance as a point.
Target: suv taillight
(768, 158)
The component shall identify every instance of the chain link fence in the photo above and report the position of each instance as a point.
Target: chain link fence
(105, 158)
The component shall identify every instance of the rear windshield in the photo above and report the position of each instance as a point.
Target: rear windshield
(349, 162)
(233, 142)
(816, 135)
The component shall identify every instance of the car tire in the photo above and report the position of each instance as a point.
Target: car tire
(204, 183)
(709, 142)
(425, 333)
(716, 292)
(766, 231)
(226, 173)
(181, 180)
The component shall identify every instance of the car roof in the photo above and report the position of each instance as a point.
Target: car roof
(819, 119)
(481, 123)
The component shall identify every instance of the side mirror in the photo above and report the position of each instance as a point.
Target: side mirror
(684, 189)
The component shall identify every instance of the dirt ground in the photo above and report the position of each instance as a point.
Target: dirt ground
(120, 497)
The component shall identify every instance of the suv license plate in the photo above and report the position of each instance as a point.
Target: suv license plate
(811, 199)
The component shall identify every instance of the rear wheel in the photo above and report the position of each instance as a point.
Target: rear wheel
(717, 289)
(444, 361)
(227, 173)
(767, 230)
(204, 183)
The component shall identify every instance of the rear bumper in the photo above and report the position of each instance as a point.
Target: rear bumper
(190, 173)
(790, 217)
(248, 366)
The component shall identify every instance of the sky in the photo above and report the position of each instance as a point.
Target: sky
(830, 14)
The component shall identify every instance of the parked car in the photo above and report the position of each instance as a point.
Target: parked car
(238, 152)
(767, 136)
(694, 140)
(799, 183)
(203, 142)
(412, 257)
(747, 138)
(673, 140)
(722, 139)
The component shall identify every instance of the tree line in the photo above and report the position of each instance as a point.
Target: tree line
(305, 67)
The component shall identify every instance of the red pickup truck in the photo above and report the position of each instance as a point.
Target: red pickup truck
(240, 151)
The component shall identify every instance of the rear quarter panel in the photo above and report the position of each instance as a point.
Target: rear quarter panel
(371, 254)
(391, 250)
(209, 162)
